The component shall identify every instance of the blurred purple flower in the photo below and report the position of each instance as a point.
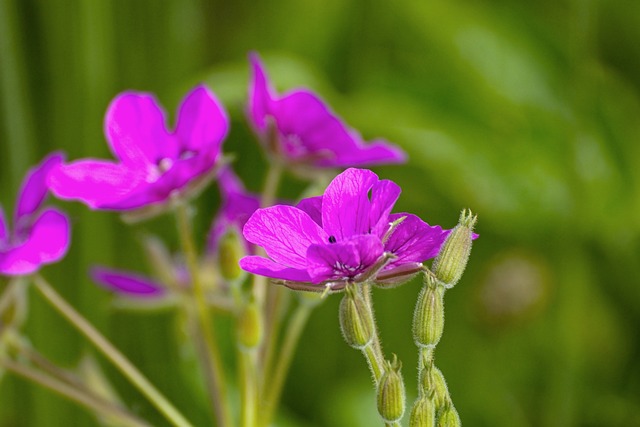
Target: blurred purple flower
(340, 236)
(237, 206)
(40, 235)
(307, 132)
(127, 283)
(153, 163)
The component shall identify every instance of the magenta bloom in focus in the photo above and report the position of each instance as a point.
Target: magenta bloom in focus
(237, 206)
(40, 235)
(152, 162)
(340, 236)
(307, 131)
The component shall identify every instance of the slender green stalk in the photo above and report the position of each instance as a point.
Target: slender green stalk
(79, 396)
(374, 350)
(202, 326)
(249, 388)
(273, 385)
(111, 353)
(9, 293)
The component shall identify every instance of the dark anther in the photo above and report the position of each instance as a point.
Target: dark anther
(332, 239)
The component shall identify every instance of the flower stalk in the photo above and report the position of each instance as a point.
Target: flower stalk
(111, 353)
(201, 326)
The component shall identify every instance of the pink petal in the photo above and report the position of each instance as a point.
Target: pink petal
(96, 183)
(34, 188)
(127, 283)
(266, 267)
(202, 122)
(345, 204)
(313, 207)
(285, 233)
(47, 243)
(384, 195)
(135, 128)
(343, 260)
(260, 98)
(414, 240)
(4, 229)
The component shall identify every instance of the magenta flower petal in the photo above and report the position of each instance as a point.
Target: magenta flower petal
(313, 207)
(155, 164)
(260, 98)
(308, 132)
(285, 233)
(346, 205)
(202, 123)
(136, 130)
(414, 240)
(97, 183)
(237, 206)
(34, 189)
(343, 260)
(4, 230)
(124, 282)
(266, 267)
(47, 242)
(384, 195)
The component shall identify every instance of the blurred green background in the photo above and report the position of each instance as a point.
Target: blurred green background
(526, 112)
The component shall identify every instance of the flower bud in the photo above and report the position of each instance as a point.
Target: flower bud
(230, 250)
(356, 321)
(454, 254)
(423, 413)
(250, 326)
(449, 417)
(433, 383)
(391, 399)
(428, 318)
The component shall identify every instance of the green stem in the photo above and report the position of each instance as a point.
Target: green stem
(373, 352)
(249, 388)
(111, 353)
(10, 293)
(79, 396)
(202, 325)
(275, 382)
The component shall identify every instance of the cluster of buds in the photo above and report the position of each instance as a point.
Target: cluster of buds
(434, 406)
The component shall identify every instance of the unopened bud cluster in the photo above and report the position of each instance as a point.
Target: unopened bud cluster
(434, 406)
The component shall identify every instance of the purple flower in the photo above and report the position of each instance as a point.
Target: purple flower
(153, 163)
(237, 206)
(40, 235)
(344, 235)
(130, 284)
(306, 131)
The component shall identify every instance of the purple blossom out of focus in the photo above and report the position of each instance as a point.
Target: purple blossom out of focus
(300, 128)
(237, 206)
(341, 235)
(40, 235)
(153, 164)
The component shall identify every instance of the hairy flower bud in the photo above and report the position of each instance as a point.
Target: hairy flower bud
(250, 326)
(454, 254)
(391, 398)
(449, 417)
(433, 383)
(230, 250)
(423, 413)
(356, 321)
(428, 318)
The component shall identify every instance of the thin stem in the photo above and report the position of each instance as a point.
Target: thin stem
(111, 353)
(9, 293)
(249, 388)
(291, 337)
(373, 359)
(79, 396)
(202, 326)
(375, 346)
